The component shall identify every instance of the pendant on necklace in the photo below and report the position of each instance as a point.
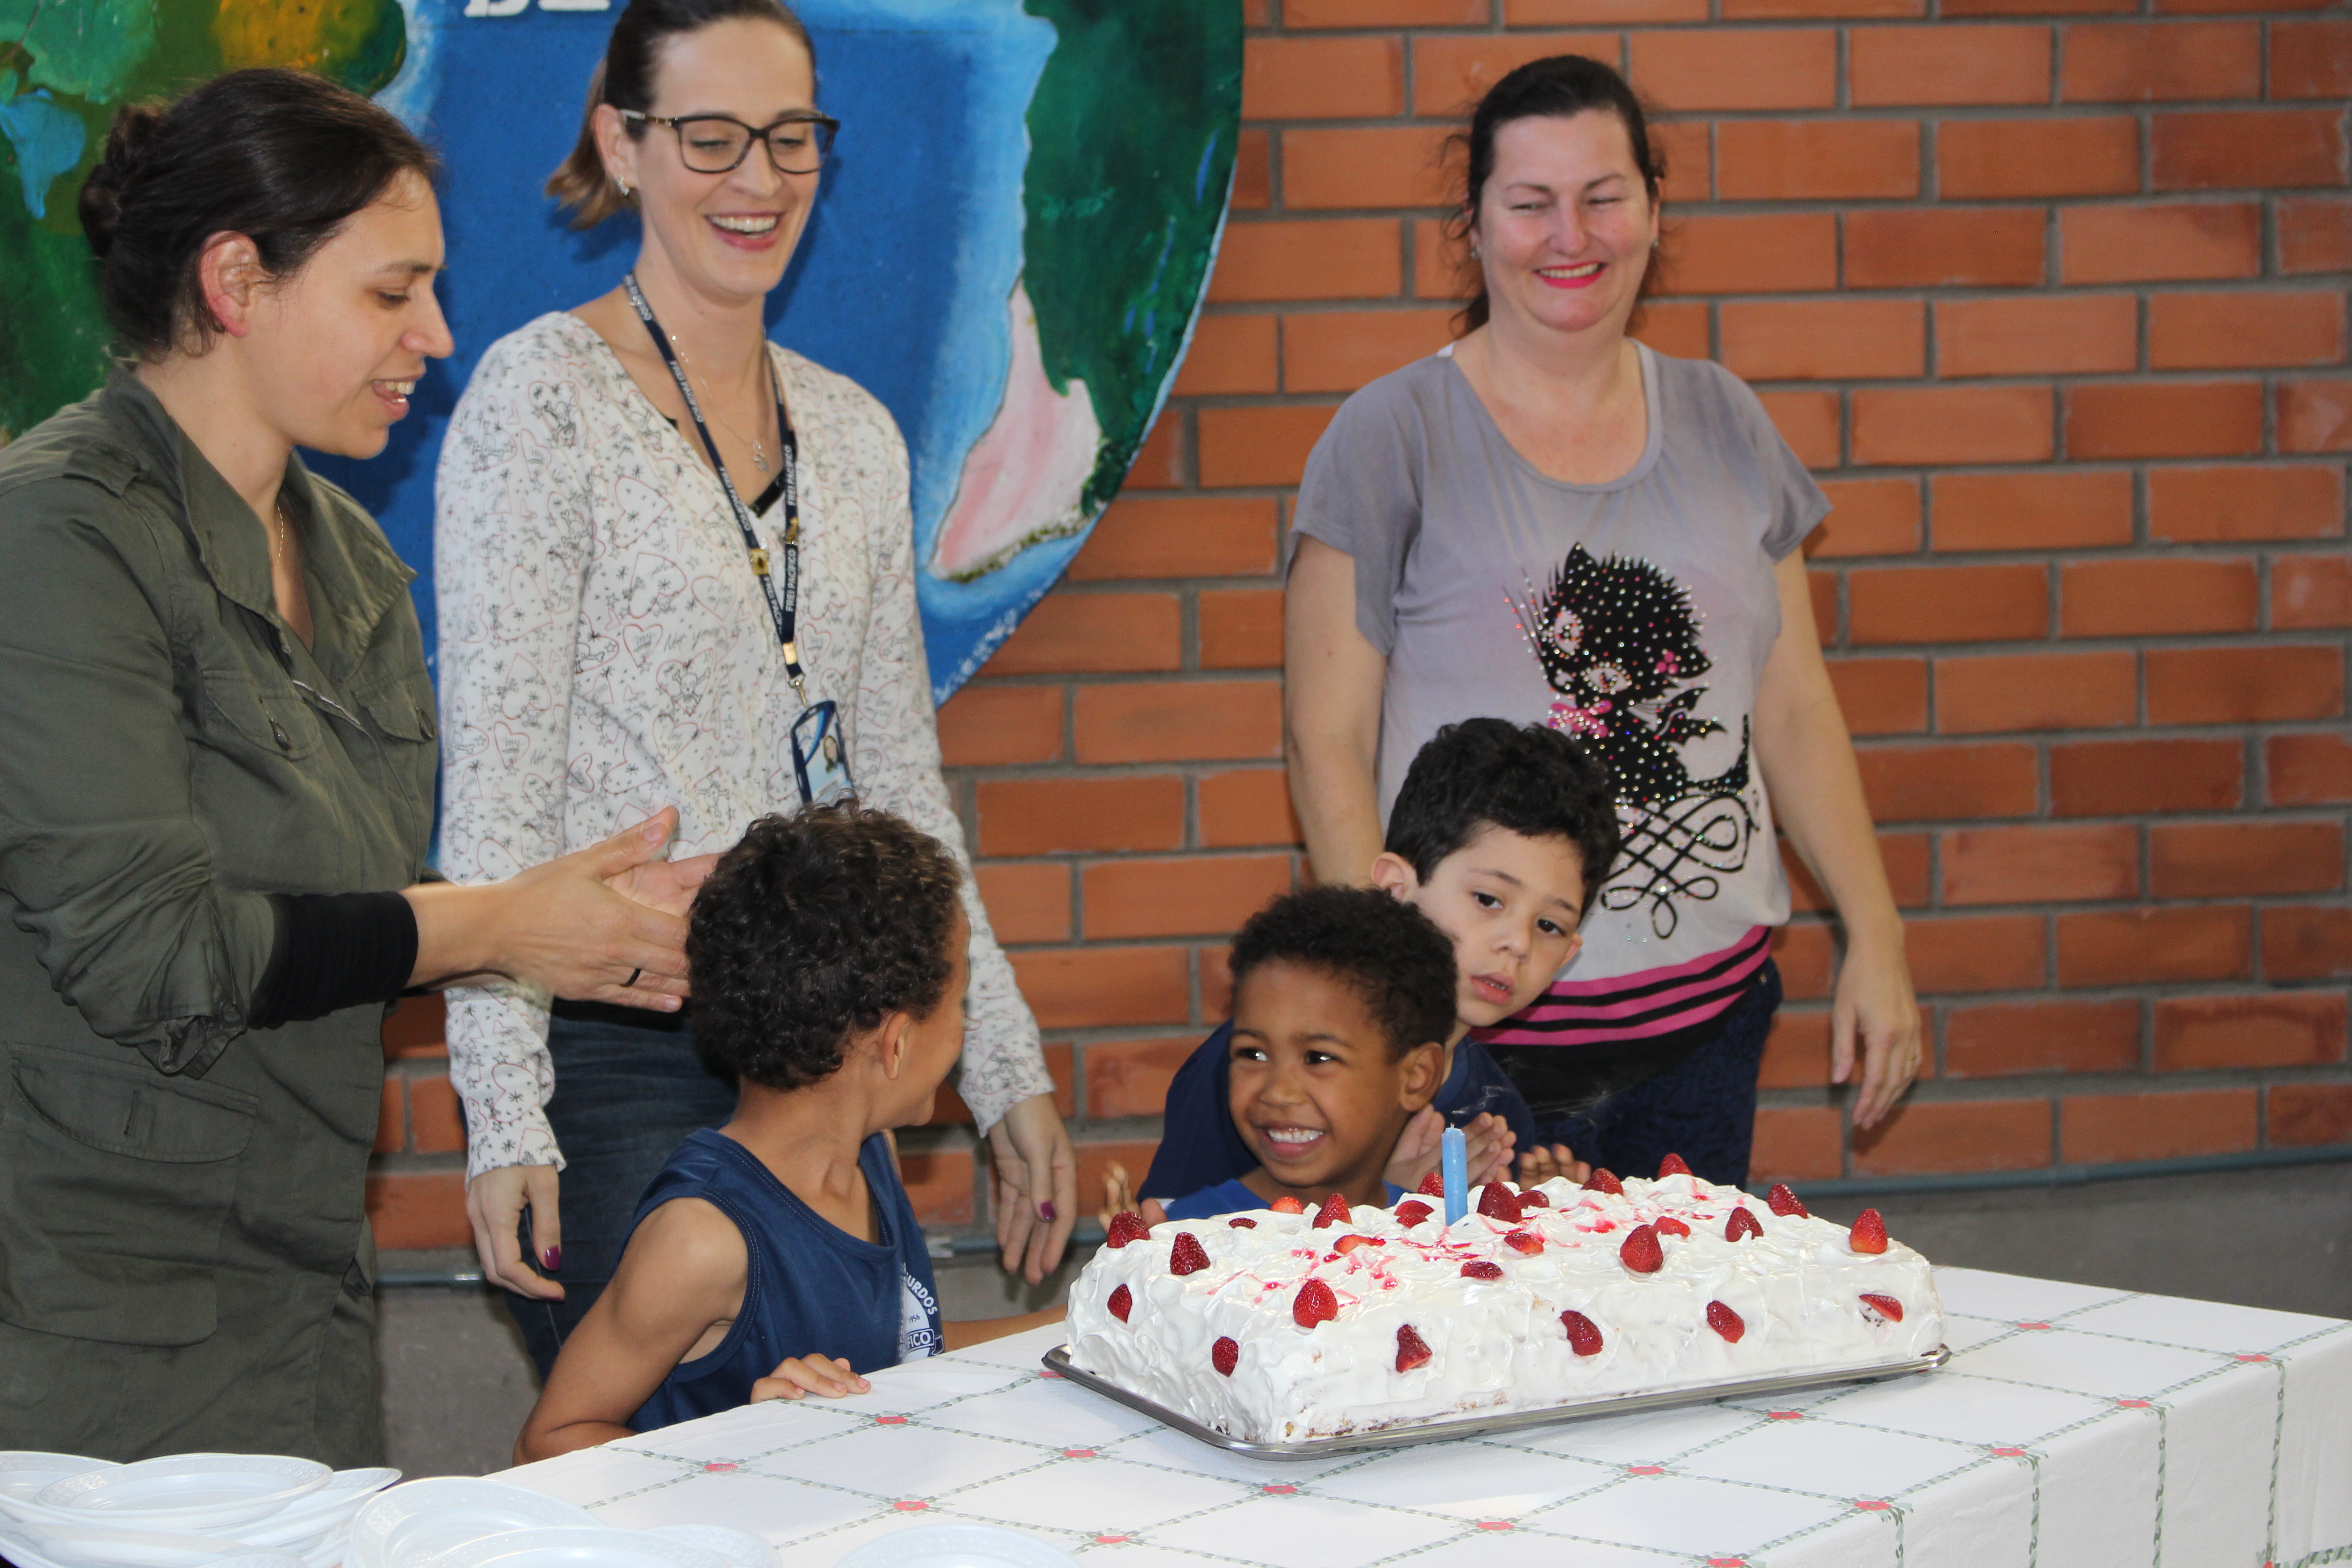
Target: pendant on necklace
(759, 457)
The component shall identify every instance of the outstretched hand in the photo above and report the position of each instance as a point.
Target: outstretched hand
(1119, 1198)
(1416, 1149)
(644, 906)
(1542, 1163)
(668, 885)
(606, 923)
(1487, 1140)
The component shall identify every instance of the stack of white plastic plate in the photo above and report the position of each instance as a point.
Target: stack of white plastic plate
(250, 1511)
(192, 1510)
(23, 1473)
(418, 1521)
(452, 1522)
(957, 1546)
(733, 1547)
(580, 1548)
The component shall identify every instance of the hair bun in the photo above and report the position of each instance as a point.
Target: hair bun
(128, 142)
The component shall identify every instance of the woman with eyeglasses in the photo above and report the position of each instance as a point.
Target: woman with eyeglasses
(675, 563)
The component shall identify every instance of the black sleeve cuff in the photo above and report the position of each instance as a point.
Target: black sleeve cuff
(334, 951)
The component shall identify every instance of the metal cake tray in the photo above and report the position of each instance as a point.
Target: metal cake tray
(1473, 1424)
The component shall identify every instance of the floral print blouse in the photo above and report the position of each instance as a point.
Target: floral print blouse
(605, 651)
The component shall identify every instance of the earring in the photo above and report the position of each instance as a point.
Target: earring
(624, 191)
(1474, 251)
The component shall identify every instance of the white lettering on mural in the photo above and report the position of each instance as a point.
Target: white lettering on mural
(517, 7)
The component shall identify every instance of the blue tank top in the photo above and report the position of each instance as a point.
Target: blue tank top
(812, 1288)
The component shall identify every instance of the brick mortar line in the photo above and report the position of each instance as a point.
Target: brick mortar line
(2252, 546)
(1830, 206)
(1816, 207)
(2244, 376)
(1826, 22)
(2255, 900)
(2241, 376)
(2056, 1082)
(407, 1162)
(1805, 916)
(2235, 986)
(1924, 294)
(2143, 111)
(2151, 993)
(1887, 741)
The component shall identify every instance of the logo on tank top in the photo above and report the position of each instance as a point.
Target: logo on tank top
(1619, 643)
(918, 1333)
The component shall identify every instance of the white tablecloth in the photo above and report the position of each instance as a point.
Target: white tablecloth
(2075, 1427)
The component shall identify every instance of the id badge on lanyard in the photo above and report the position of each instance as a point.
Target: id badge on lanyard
(820, 756)
(819, 760)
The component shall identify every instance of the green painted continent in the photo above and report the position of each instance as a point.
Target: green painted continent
(1131, 137)
(92, 57)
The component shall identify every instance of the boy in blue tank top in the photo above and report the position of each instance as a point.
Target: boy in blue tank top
(779, 1255)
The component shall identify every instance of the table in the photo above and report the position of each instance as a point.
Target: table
(2075, 1427)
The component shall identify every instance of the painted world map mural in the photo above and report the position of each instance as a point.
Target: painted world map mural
(1010, 249)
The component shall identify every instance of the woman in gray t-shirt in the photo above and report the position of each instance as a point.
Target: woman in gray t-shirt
(1550, 522)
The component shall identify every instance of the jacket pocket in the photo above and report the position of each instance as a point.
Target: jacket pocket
(402, 714)
(400, 711)
(118, 1183)
(275, 723)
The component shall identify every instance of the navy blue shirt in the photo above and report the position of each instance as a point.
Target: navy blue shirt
(813, 1288)
(1200, 1147)
(1233, 1197)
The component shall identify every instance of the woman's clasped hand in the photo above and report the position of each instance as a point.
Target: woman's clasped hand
(580, 926)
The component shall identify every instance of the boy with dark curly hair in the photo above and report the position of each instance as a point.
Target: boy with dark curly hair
(779, 1255)
(1501, 835)
(1343, 998)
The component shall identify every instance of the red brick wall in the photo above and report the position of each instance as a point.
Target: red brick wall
(2051, 294)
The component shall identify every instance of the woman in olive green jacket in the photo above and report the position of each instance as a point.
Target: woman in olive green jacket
(216, 767)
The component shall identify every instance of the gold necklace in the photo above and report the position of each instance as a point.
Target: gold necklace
(278, 534)
(759, 448)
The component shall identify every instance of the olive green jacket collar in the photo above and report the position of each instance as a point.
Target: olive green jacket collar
(353, 573)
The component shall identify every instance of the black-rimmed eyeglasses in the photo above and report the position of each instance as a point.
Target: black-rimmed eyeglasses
(718, 144)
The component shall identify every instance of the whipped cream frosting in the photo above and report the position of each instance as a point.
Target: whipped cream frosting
(1793, 1289)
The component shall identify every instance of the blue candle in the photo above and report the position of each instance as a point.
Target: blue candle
(1453, 1159)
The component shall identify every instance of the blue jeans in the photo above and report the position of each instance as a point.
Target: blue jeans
(1703, 1110)
(627, 1094)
